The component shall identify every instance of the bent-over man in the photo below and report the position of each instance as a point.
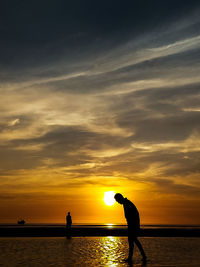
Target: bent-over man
(133, 220)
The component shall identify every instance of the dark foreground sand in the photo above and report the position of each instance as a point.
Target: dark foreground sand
(59, 231)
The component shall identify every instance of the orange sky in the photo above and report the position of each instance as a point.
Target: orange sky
(87, 206)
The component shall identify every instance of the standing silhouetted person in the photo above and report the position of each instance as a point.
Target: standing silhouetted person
(133, 220)
(68, 224)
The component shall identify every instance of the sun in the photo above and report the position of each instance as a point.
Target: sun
(109, 198)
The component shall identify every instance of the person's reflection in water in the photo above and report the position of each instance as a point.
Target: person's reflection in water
(68, 225)
(131, 264)
(133, 221)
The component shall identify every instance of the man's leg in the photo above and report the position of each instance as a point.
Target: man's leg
(139, 245)
(131, 246)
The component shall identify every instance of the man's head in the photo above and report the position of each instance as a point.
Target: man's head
(119, 198)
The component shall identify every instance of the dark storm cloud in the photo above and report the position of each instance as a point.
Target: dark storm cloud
(66, 146)
(12, 159)
(35, 32)
(167, 128)
(173, 164)
(162, 114)
(168, 186)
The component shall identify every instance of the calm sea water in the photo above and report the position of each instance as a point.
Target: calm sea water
(97, 251)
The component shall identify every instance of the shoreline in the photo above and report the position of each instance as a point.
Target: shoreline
(82, 231)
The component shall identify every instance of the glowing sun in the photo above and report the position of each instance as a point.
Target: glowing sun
(109, 198)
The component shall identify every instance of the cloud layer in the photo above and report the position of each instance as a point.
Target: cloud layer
(100, 94)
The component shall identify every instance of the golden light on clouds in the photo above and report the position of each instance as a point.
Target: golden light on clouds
(88, 120)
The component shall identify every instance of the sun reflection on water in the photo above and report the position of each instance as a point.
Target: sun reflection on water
(111, 251)
(109, 225)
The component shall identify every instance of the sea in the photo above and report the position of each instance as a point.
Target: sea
(97, 251)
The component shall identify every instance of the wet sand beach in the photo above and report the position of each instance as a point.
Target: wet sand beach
(97, 251)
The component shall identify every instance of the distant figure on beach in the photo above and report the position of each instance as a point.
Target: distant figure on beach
(68, 224)
(133, 220)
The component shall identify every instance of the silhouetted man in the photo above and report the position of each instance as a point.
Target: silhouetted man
(68, 224)
(133, 220)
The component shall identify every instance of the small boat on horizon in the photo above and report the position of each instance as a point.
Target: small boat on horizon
(21, 222)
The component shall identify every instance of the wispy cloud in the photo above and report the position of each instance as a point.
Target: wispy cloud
(13, 122)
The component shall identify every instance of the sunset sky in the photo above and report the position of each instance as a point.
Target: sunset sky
(99, 96)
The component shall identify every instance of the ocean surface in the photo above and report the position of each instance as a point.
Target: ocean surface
(86, 225)
(97, 251)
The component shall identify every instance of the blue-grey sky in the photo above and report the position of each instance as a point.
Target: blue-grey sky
(100, 94)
